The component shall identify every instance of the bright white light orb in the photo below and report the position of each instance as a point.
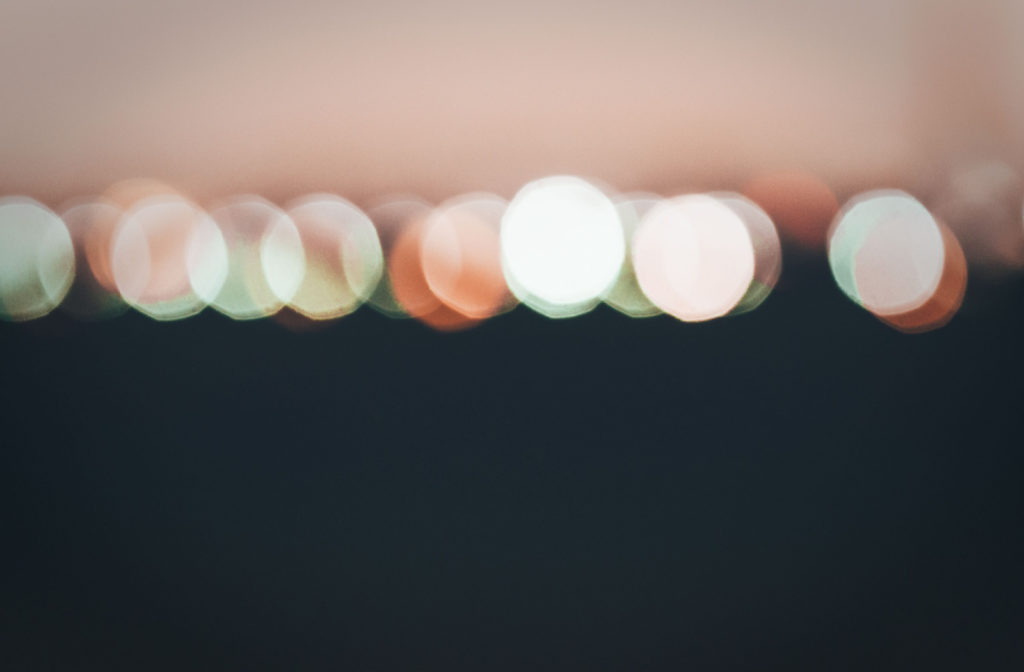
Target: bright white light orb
(37, 259)
(562, 245)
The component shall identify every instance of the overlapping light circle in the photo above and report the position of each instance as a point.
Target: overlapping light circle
(266, 261)
(889, 255)
(562, 245)
(168, 257)
(766, 247)
(92, 224)
(626, 296)
(343, 258)
(461, 256)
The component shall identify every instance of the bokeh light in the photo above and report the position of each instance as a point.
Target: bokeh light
(889, 255)
(943, 304)
(266, 261)
(981, 203)
(391, 216)
(409, 281)
(801, 205)
(342, 253)
(37, 259)
(767, 250)
(93, 294)
(625, 295)
(694, 257)
(169, 259)
(562, 245)
(461, 256)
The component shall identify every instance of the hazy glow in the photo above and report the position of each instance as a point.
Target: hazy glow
(390, 217)
(887, 252)
(801, 205)
(461, 255)
(767, 250)
(343, 256)
(694, 257)
(562, 245)
(981, 203)
(625, 295)
(169, 259)
(37, 259)
(93, 293)
(265, 258)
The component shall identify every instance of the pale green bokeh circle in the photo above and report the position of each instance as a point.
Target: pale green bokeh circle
(37, 259)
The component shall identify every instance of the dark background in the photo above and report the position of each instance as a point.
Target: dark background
(797, 488)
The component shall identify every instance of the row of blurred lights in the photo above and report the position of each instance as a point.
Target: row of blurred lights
(561, 246)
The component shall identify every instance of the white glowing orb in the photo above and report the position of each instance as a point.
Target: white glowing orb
(37, 259)
(694, 257)
(562, 245)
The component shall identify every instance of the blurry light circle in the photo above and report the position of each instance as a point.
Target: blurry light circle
(887, 252)
(391, 217)
(562, 245)
(93, 294)
(169, 259)
(767, 249)
(461, 255)
(410, 286)
(625, 295)
(694, 257)
(943, 304)
(265, 258)
(343, 257)
(37, 259)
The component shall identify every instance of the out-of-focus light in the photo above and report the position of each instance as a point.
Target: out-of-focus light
(169, 259)
(37, 259)
(562, 245)
(93, 294)
(943, 304)
(767, 250)
(625, 295)
(391, 217)
(410, 286)
(889, 255)
(981, 203)
(800, 204)
(265, 258)
(693, 257)
(343, 256)
(461, 256)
